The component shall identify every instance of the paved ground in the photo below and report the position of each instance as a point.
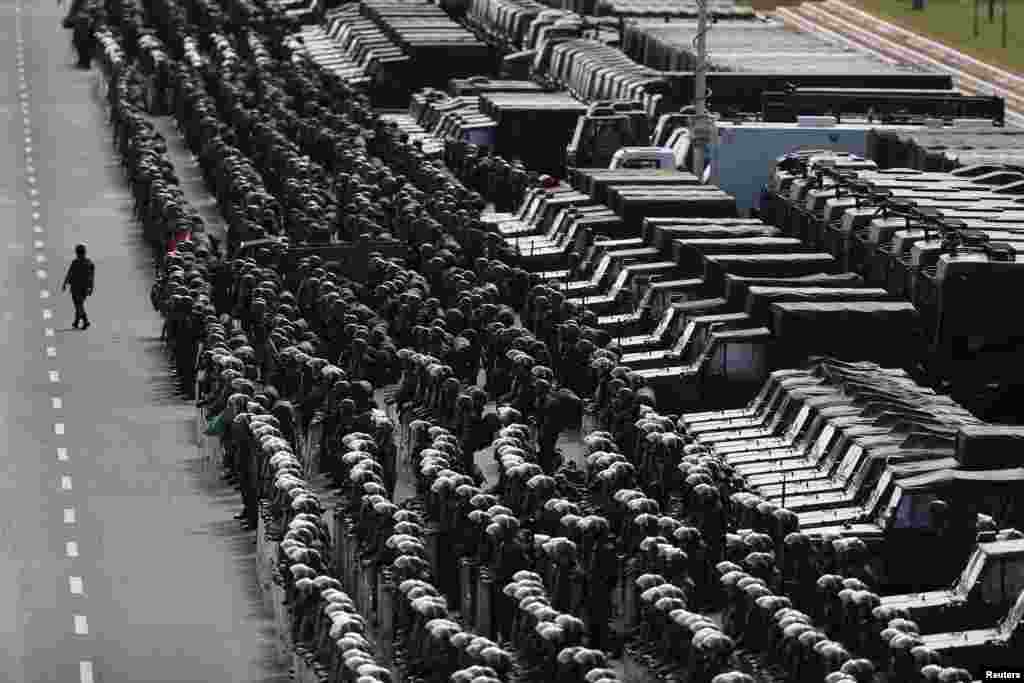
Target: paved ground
(119, 560)
(190, 177)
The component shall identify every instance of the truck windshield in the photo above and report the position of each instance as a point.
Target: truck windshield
(970, 574)
(640, 163)
(1013, 619)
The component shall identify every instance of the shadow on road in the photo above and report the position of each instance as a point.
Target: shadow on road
(241, 547)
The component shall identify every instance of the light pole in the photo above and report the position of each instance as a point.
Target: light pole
(701, 133)
(1006, 11)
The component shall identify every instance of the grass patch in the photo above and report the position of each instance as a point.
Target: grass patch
(952, 22)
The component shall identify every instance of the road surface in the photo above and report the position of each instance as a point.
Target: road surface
(119, 557)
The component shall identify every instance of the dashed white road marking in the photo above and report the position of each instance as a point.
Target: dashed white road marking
(85, 671)
(75, 583)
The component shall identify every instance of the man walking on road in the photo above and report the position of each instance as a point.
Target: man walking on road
(81, 278)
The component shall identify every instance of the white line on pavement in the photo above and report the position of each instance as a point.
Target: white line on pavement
(62, 454)
(41, 274)
(81, 625)
(75, 585)
(65, 482)
(71, 549)
(85, 671)
(44, 294)
(51, 352)
(69, 515)
(58, 429)
(49, 330)
(54, 376)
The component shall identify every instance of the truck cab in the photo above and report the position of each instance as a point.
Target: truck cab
(986, 588)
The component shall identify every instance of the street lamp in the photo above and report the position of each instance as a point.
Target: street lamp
(701, 130)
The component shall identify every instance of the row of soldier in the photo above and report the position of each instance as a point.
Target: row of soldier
(160, 206)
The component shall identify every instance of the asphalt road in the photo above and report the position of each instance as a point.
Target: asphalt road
(119, 558)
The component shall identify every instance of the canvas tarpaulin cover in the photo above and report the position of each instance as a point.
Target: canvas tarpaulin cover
(737, 286)
(885, 331)
(716, 266)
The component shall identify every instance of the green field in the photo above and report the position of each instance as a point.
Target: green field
(952, 22)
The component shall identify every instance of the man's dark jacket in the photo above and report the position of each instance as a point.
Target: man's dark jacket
(80, 276)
